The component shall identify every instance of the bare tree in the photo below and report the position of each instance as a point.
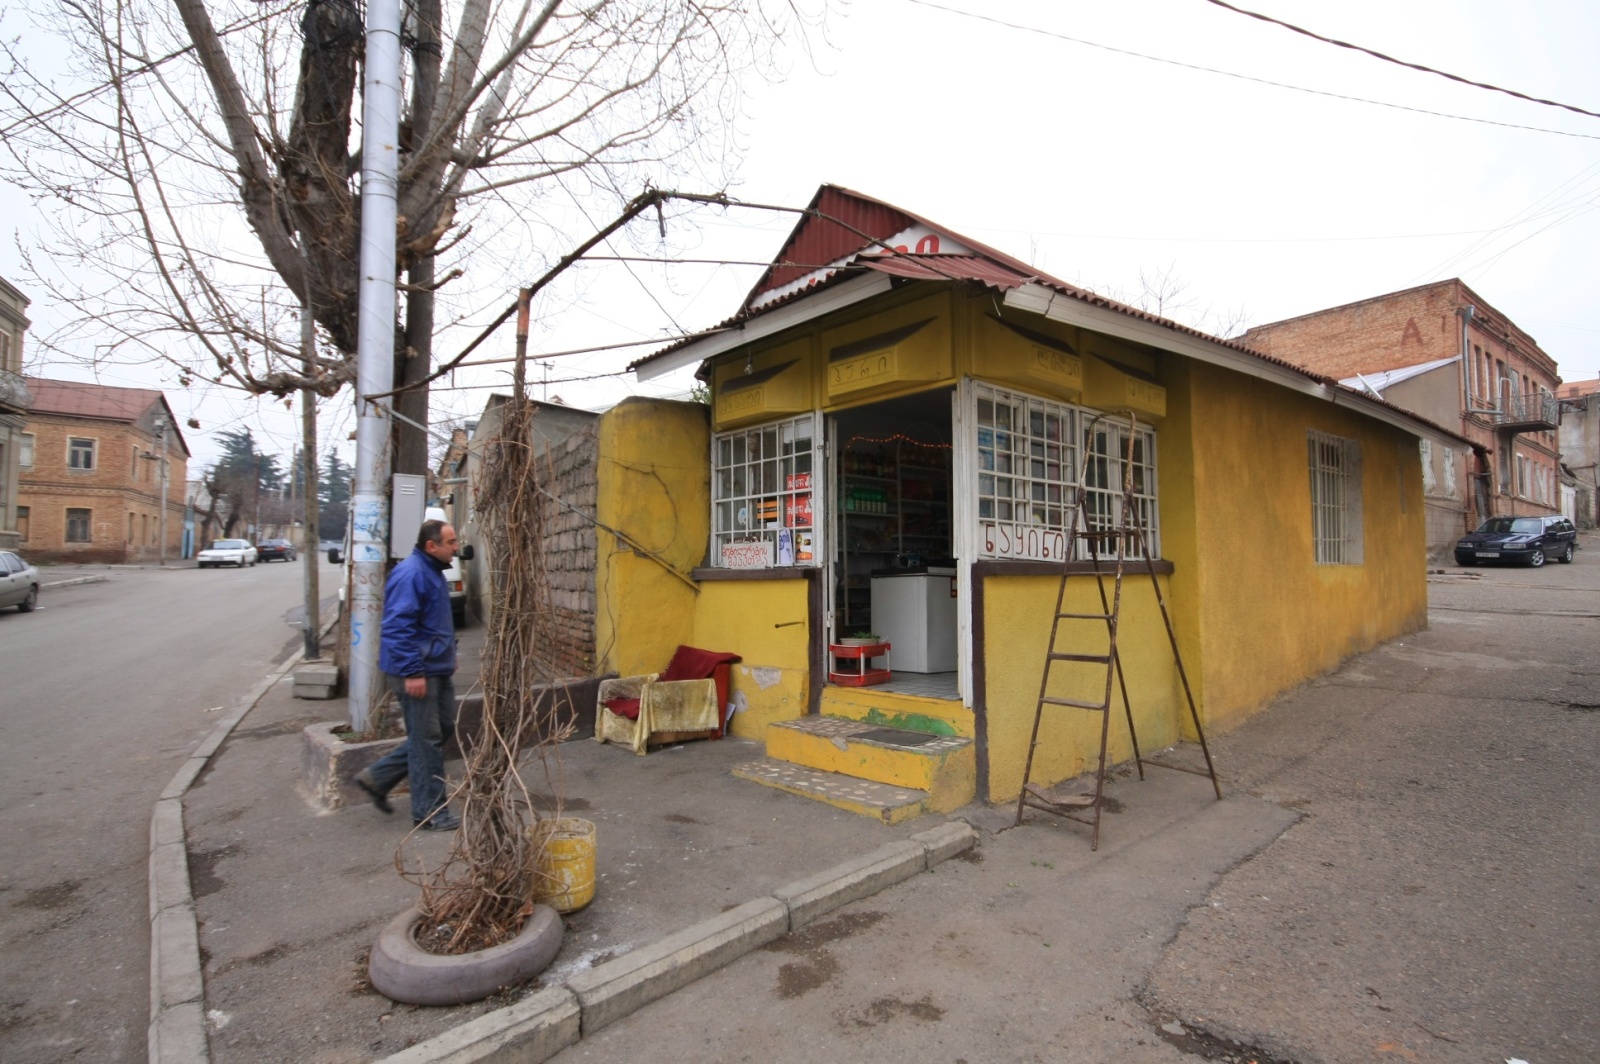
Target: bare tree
(182, 120)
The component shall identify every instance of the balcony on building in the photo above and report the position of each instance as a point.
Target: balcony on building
(14, 395)
(1528, 413)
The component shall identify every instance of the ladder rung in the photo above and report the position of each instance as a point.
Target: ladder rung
(1084, 616)
(1097, 659)
(1049, 701)
(1080, 801)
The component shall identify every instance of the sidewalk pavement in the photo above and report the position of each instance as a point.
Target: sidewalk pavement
(288, 898)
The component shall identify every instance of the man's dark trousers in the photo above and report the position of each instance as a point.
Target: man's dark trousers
(430, 723)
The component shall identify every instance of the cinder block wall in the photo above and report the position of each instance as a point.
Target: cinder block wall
(570, 549)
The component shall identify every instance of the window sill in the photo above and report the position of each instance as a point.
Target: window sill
(995, 567)
(777, 572)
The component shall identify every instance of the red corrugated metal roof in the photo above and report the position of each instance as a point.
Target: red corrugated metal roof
(832, 230)
(827, 233)
(77, 399)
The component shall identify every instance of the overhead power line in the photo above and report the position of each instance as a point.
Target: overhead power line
(1401, 62)
(1247, 77)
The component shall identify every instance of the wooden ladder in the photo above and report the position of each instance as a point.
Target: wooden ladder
(1131, 545)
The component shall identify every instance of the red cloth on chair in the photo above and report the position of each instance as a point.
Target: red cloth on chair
(689, 663)
(624, 707)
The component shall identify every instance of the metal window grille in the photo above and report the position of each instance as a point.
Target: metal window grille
(1028, 457)
(78, 521)
(764, 481)
(1336, 525)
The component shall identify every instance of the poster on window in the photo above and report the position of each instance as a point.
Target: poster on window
(747, 555)
(785, 546)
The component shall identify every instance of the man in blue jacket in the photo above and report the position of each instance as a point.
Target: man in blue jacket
(418, 658)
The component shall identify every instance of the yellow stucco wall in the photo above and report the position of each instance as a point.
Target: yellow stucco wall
(654, 486)
(1269, 616)
(1253, 612)
(1016, 615)
(742, 616)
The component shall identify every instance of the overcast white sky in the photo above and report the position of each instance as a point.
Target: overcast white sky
(1094, 164)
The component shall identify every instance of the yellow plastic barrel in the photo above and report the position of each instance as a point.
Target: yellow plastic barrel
(565, 879)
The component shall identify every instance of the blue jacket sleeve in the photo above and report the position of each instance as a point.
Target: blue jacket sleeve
(401, 650)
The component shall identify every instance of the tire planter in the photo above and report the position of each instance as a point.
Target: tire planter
(403, 971)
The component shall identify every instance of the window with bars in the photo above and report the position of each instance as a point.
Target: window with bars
(1029, 456)
(1335, 466)
(763, 492)
(78, 523)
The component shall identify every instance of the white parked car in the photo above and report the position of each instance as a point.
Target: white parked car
(227, 552)
(19, 582)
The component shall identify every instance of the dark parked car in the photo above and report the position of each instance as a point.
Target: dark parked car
(1526, 540)
(19, 582)
(275, 550)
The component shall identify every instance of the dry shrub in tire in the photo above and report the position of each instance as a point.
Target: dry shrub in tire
(403, 971)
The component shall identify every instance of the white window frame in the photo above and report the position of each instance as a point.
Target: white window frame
(1025, 467)
(745, 482)
(25, 450)
(72, 450)
(1334, 465)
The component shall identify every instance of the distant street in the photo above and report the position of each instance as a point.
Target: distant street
(104, 691)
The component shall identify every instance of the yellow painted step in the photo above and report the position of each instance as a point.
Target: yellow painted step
(892, 805)
(944, 766)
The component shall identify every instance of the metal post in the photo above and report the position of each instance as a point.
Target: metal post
(369, 533)
(161, 519)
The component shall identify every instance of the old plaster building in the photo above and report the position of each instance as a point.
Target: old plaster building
(1580, 448)
(93, 491)
(14, 401)
(904, 428)
(1441, 351)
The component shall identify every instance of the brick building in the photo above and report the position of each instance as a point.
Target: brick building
(93, 490)
(14, 402)
(1441, 351)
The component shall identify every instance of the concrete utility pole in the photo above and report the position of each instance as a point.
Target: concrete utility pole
(161, 520)
(369, 508)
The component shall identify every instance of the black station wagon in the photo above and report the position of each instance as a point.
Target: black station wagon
(1525, 540)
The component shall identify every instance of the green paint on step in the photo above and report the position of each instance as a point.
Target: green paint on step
(910, 721)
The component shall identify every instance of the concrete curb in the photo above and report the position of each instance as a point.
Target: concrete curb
(177, 1030)
(75, 581)
(540, 1026)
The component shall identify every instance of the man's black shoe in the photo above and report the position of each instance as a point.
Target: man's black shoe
(379, 799)
(444, 820)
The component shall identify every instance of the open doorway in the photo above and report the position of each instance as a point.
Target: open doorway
(893, 568)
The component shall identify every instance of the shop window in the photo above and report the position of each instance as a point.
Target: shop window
(1335, 466)
(80, 453)
(78, 523)
(1029, 457)
(763, 495)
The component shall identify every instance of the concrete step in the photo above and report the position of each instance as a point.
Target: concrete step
(892, 805)
(943, 766)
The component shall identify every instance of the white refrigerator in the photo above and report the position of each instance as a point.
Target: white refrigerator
(916, 614)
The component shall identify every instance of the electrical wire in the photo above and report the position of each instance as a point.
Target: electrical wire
(1401, 62)
(1247, 77)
